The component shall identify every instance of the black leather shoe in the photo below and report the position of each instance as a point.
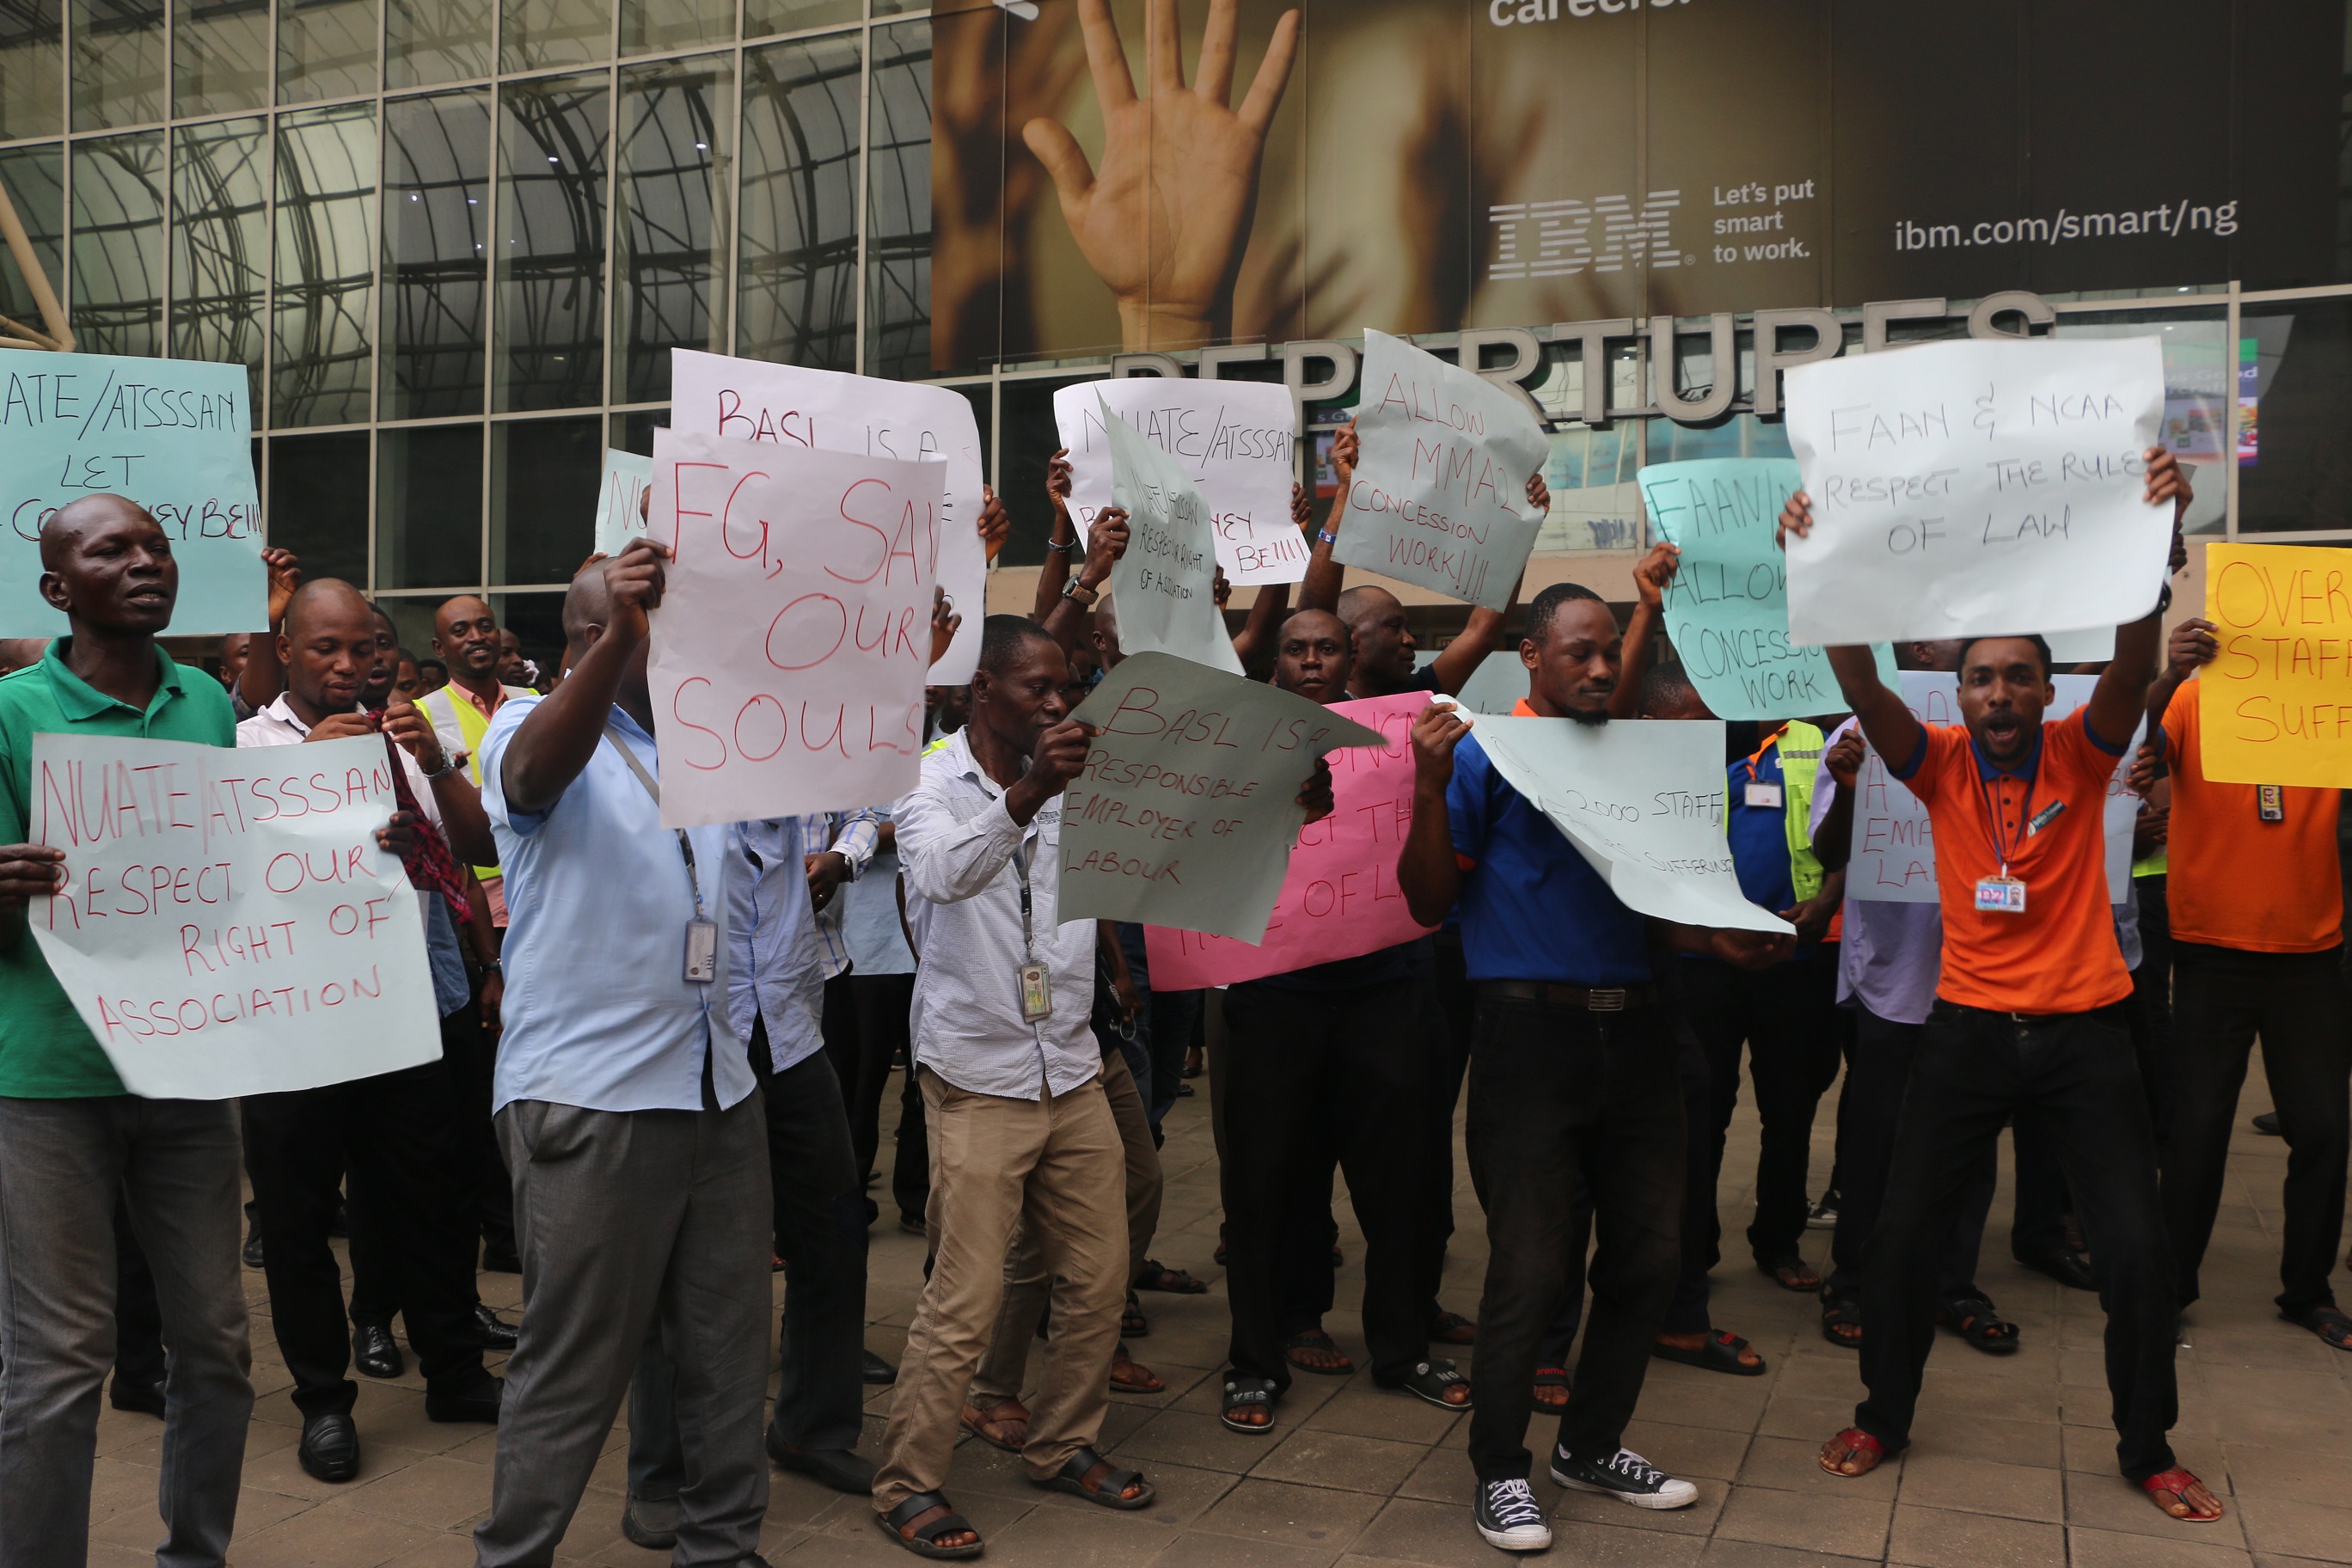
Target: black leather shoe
(2066, 1267)
(876, 1370)
(2267, 1124)
(500, 1260)
(129, 1394)
(252, 1254)
(479, 1403)
(497, 1334)
(839, 1468)
(374, 1351)
(330, 1447)
(650, 1522)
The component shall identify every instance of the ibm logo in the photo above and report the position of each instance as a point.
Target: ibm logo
(1563, 242)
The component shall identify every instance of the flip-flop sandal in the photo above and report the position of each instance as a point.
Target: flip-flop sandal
(923, 1542)
(1316, 1340)
(1132, 1323)
(1453, 1329)
(1127, 1377)
(1856, 1441)
(1247, 1393)
(977, 1422)
(1428, 1381)
(1719, 1352)
(1791, 1273)
(1552, 1377)
(1072, 1478)
(1974, 1319)
(2333, 1328)
(1157, 1276)
(2174, 1483)
(1838, 1312)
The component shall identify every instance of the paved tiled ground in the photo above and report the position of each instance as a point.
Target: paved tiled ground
(2013, 1466)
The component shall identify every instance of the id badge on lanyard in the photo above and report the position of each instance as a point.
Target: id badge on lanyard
(1033, 980)
(2002, 895)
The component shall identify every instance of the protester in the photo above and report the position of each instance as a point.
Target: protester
(2255, 901)
(882, 981)
(73, 1142)
(2027, 1019)
(395, 1135)
(1572, 1081)
(406, 683)
(626, 1101)
(465, 634)
(432, 674)
(234, 649)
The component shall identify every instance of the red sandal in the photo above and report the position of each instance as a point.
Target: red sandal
(2176, 1482)
(1856, 1441)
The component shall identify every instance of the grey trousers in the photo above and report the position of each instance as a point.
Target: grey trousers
(175, 1164)
(627, 1220)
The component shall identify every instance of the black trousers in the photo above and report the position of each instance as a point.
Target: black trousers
(1448, 1008)
(1563, 1101)
(397, 1136)
(2153, 982)
(470, 1054)
(2076, 1071)
(1299, 1067)
(821, 1235)
(1785, 1017)
(1882, 1055)
(2295, 1000)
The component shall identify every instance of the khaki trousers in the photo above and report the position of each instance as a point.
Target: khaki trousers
(1058, 1167)
(1027, 1281)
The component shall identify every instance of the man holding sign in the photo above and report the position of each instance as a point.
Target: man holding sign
(71, 1139)
(1572, 1081)
(2028, 1016)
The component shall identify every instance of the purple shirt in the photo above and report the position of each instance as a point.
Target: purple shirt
(1892, 955)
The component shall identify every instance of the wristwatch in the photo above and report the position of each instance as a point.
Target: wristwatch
(1078, 591)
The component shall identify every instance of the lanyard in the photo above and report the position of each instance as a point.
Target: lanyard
(1021, 866)
(2001, 845)
(1756, 757)
(686, 845)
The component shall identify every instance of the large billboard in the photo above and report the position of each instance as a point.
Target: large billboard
(1157, 175)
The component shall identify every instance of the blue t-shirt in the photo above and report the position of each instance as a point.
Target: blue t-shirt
(1531, 908)
(1759, 835)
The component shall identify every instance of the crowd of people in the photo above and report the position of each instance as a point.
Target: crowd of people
(632, 1134)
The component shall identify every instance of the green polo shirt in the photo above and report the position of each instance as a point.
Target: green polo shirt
(45, 1050)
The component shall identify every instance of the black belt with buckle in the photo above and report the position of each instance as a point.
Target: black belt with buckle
(1591, 999)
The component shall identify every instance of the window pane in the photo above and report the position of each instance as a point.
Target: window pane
(762, 18)
(435, 227)
(554, 33)
(326, 265)
(220, 56)
(318, 503)
(326, 48)
(35, 179)
(32, 68)
(650, 25)
(426, 41)
(551, 269)
(798, 302)
(117, 63)
(2295, 401)
(634, 431)
(543, 480)
(429, 508)
(899, 204)
(670, 260)
(118, 244)
(220, 244)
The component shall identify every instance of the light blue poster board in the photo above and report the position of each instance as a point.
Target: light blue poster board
(173, 435)
(1727, 606)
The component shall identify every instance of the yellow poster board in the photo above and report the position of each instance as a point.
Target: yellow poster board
(2276, 705)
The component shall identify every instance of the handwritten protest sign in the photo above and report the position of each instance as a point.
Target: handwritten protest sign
(1188, 805)
(228, 925)
(2276, 705)
(1164, 587)
(1440, 497)
(1232, 438)
(1972, 487)
(1894, 859)
(1340, 898)
(627, 477)
(791, 406)
(1727, 605)
(1642, 803)
(789, 652)
(173, 435)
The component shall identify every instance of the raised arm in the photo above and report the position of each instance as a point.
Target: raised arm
(556, 738)
(1886, 723)
(1319, 590)
(1106, 542)
(263, 677)
(1833, 840)
(1426, 868)
(2121, 696)
(1064, 541)
(1651, 576)
(1258, 633)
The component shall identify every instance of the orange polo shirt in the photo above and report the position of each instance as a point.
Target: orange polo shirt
(2059, 955)
(2235, 880)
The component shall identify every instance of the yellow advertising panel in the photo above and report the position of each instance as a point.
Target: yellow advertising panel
(2276, 705)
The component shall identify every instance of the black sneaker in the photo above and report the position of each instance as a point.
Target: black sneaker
(1509, 1516)
(1625, 1476)
(1824, 1213)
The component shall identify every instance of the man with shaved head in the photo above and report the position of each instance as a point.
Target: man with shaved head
(394, 1133)
(466, 636)
(71, 1138)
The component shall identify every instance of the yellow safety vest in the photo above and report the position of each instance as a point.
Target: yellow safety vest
(438, 704)
(1801, 745)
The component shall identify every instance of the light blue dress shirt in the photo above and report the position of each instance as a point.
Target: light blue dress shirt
(775, 962)
(598, 1011)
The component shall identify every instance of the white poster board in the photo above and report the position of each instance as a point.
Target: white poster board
(228, 925)
(1642, 803)
(1967, 489)
(1234, 439)
(1894, 856)
(1164, 587)
(752, 400)
(791, 647)
(627, 477)
(1439, 493)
